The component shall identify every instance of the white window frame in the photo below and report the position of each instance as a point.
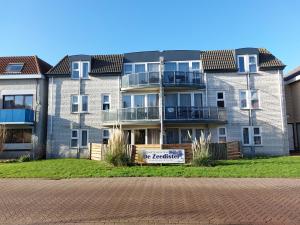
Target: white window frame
(80, 69)
(74, 138)
(105, 136)
(247, 63)
(80, 105)
(222, 135)
(251, 136)
(220, 99)
(249, 99)
(104, 102)
(132, 102)
(87, 138)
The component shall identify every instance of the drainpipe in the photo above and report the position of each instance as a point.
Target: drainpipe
(51, 118)
(161, 104)
(252, 149)
(79, 114)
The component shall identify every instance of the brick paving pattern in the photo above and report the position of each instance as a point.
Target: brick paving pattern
(150, 201)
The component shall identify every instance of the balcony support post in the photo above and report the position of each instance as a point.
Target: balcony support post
(161, 96)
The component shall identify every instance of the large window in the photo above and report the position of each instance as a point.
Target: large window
(17, 101)
(183, 135)
(79, 138)
(249, 99)
(14, 67)
(18, 136)
(247, 63)
(79, 103)
(251, 135)
(80, 70)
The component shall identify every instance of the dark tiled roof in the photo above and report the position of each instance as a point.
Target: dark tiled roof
(101, 64)
(224, 60)
(268, 61)
(32, 64)
(62, 67)
(107, 64)
(218, 60)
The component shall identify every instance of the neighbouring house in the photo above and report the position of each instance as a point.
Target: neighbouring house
(292, 94)
(23, 108)
(168, 97)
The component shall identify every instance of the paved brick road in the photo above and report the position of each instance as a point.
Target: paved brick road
(150, 201)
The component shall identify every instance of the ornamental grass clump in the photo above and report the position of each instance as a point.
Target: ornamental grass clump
(118, 152)
(200, 149)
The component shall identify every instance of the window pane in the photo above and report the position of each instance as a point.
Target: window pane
(170, 66)
(139, 137)
(126, 101)
(14, 68)
(75, 99)
(241, 61)
(222, 131)
(186, 136)
(75, 103)
(76, 66)
(74, 142)
(222, 139)
(243, 99)
(183, 67)
(85, 70)
(252, 68)
(256, 130)
(172, 136)
(153, 67)
(246, 135)
(257, 140)
(27, 135)
(254, 100)
(195, 66)
(105, 133)
(84, 138)
(127, 69)
(139, 100)
(74, 134)
(198, 133)
(140, 68)
(28, 102)
(220, 95)
(9, 102)
(106, 99)
(220, 103)
(19, 101)
(198, 100)
(152, 100)
(185, 100)
(84, 103)
(252, 59)
(171, 100)
(75, 71)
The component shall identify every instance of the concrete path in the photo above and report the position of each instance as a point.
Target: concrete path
(150, 201)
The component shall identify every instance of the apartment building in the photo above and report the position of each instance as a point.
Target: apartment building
(292, 94)
(23, 107)
(168, 97)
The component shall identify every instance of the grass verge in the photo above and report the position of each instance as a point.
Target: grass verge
(284, 167)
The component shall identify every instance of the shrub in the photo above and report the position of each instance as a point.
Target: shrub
(118, 152)
(200, 149)
(2, 137)
(24, 158)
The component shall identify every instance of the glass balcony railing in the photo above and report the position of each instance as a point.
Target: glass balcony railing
(16, 116)
(181, 78)
(195, 113)
(136, 80)
(131, 114)
(170, 78)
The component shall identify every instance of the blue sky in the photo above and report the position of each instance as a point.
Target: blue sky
(54, 28)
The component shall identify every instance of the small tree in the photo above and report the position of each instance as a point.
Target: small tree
(2, 137)
(118, 152)
(200, 149)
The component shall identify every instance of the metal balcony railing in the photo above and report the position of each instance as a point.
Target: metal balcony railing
(195, 113)
(136, 80)
(131, 114)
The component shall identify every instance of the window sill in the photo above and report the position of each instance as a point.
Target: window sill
(80, 112)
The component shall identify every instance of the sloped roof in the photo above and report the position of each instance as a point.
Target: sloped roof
(32, 64)
(224, 60)
(101, 64)
(295, 72)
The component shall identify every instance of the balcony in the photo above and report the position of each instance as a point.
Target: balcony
(140, 80)
(139, 114)
(195, 114)
(16, 116)
(183, 79)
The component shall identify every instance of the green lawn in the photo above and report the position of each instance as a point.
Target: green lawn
(71, 168)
